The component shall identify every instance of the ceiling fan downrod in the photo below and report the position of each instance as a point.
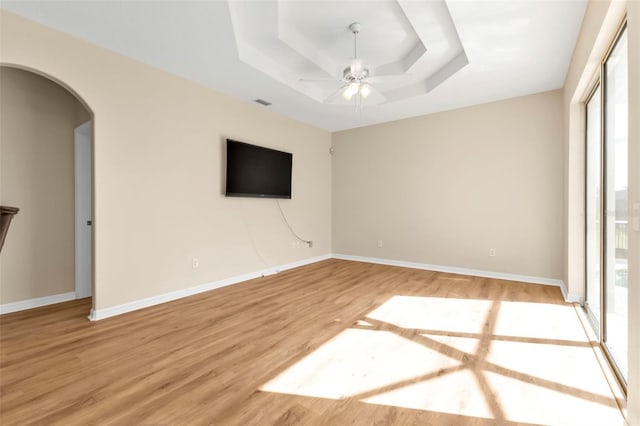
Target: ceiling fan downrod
(355, 29)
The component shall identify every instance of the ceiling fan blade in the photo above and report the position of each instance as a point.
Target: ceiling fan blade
(318, 80)
(386, 78)
(335, 96)
(375, 96)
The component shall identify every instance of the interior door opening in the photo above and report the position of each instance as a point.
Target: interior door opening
(83, 148)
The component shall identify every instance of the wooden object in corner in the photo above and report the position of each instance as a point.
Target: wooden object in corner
(6, 214)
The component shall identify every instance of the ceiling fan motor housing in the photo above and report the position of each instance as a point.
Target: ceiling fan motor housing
(347, 75)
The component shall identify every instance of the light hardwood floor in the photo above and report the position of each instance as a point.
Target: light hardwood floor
(332, 343)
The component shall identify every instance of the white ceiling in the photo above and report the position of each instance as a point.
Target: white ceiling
(504, 48)
(414, 43)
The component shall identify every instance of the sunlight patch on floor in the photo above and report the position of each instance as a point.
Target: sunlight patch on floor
(436, 395)
(433, 313)
(515, 361)
(542, 321)
(528, 403)
(358, 361)
(564, 365)
(464, 345)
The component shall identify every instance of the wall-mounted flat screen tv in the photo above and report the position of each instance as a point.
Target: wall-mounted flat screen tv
(255, 171)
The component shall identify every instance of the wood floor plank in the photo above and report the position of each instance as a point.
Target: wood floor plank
(210, 358)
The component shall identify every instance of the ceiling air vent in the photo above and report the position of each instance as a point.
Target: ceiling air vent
(262, 102)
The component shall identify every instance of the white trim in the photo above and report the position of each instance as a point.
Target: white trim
(98, 314)
(573, 298)
(563, 289)
(296, 264)
(178, 294)
(569, 297)
(36, 303)
(456, 270)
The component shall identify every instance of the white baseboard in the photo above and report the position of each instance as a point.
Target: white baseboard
(460, 271)
(98, 314)
(572, 298)
(569, 297)
(36, 303)
(296, 264)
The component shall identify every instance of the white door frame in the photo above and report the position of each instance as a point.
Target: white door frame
(83, 176)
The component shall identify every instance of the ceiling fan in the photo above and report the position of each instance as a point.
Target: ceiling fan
(356, 81)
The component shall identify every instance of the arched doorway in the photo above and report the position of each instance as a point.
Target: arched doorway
(39, 174)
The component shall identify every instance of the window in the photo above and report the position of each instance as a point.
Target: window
(593, 208)
(606, 205)
(616, 160)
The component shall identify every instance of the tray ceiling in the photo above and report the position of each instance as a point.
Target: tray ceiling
(449, 54)
(416, 42)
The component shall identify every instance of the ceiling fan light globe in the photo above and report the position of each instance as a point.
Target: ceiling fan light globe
(350, 90)
(365, 90)
(346, 94)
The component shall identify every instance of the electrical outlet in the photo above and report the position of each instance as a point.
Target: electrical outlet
(195, 263)
(380, 244)
(492, 252)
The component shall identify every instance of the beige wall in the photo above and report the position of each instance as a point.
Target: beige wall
(479, 177)
(443, 189)
(158, 168)
(602, 19)
(36, 167)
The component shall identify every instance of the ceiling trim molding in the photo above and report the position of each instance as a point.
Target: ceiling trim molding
(270, 39)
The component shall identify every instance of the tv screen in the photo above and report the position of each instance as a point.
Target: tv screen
(255, 171)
